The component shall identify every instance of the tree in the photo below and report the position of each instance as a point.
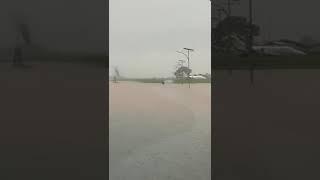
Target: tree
(222, 9)
(182, 72)
(232, 32)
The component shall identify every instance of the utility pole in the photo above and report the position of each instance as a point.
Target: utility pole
(229, 8)
(251, 41)
(188, 58)
(269, 29)
(250, 44)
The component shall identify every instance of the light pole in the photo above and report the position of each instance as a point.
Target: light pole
(251, 27)
(188, 58)
(229, 8)
(251, 40)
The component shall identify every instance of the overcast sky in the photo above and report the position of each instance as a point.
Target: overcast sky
(145, 35)
(290, 19)
(64, 25)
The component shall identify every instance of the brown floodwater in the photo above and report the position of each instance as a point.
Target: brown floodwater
(159, 131)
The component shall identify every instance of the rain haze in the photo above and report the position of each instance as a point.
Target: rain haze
(45, 71)
(145, 35)
(265, 107)
(287, 19)
(67, 26)
(159, 130)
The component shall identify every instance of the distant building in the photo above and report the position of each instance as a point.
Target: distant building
(277, 50)
(198, 76)
(288, 43)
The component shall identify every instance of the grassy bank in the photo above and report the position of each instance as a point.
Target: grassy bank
(158, 80)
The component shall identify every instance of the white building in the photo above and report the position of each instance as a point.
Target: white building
(277, 50)
(197, 76)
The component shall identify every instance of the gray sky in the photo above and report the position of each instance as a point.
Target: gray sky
(63, 25)
(144, 35)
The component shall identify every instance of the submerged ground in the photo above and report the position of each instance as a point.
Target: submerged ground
(52, 122)
(268, 129)
(159, 131)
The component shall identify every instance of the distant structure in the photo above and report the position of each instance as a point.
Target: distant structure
(187, 55)
(23, 34)
(116, 75)
(200, 76)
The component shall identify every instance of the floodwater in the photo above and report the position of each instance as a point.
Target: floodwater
(52, 122)
(268, 129)
(159, 131)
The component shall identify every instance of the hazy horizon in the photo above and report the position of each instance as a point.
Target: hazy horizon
(145, 35)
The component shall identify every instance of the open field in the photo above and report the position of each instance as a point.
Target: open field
(159, 131)
(52, 122)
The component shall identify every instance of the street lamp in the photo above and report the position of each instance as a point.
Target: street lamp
(188, 49)
(188, 58)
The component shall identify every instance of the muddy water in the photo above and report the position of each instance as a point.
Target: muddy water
(159, 132)
(268, 130)
(52, 122)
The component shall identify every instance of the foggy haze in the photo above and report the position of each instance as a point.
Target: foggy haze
(145, 35)
(72, 25)
(290, 19)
